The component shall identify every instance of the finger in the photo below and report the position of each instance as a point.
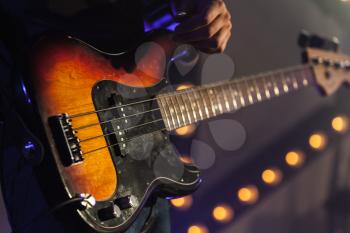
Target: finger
(203, 32)
(202, 19)
(215, 44)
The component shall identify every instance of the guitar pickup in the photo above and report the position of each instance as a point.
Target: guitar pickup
(68, 145)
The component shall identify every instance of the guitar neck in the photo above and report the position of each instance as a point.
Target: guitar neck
(190, 106)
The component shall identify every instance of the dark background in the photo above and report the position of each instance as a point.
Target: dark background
(264, 38)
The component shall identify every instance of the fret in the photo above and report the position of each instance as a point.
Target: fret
(247, 91)
(304, 78)
(276, 89)
(242, 94)
(241, 100)
(261, 87)
(206, 106)
(266, 87)
(253, 97)
(288, 81)
(307, 75)
(208, 93)
(220, 95)
(216, 95)
(257, 90)
(305, 82)
(164, 111)
(279, 82)
(238, 96)
(182, 108)
(193, 105)
(167, 106)
(278, 76)
(197, 99)
(225, 92)
(294, 80)
(233, 96)
(284, 83)
(184, 97)
(211, 96)
(270, 86)
(173, 109)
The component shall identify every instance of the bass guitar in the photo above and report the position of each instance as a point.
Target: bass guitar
(106, 122)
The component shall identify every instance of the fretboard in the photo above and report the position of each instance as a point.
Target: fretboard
(189, 106)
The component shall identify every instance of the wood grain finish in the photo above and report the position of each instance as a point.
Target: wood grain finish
(64, 75)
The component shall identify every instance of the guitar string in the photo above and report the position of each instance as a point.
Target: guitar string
(121, 143)
(125, 117)
(114, 119)
(127, 139)
(136, 126)
(186, 91)
(132, 127)
(118, 131)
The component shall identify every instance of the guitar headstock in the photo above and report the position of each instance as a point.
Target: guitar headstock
(331, 69)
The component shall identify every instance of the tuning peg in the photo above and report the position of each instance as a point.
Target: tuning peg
(317, 60)
(328, 62)
(304, 39)
(314, 41)
(338, 65)
(347, 65)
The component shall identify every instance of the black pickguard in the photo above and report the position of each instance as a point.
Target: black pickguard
(146, 162)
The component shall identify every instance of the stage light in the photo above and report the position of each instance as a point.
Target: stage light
(272, 176)
(183, 202)
(184, 86)
(318, 141)
(248, 194)
(340, 124)
(197, 229)
(223, 213)
(186, 159)
(295, 158)
(186, 131)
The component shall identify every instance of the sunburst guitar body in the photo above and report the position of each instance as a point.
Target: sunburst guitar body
(105, 135)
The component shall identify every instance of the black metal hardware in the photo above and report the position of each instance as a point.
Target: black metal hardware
(67, 143)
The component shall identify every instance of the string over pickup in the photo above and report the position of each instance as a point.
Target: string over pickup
(67, 143)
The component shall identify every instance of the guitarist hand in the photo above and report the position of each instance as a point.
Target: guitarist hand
(207, 24)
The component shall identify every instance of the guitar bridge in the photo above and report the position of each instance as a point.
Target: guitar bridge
(68, 145)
